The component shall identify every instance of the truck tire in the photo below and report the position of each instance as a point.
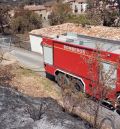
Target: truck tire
(118, 104)
(79, 86)
(118, 98)
(62, 79)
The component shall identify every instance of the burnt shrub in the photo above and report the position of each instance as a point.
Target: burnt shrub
(6, 75)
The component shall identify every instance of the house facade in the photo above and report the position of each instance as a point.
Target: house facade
(41, 10)
(78, 6)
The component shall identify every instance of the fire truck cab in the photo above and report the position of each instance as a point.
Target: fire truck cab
(75, 57)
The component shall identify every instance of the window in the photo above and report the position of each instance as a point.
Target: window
(76, 9)
(41, 15)
(48, 55)
(108, 74)
(81, 7)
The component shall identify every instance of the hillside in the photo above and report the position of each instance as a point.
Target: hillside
(24, 112)
(29, 101)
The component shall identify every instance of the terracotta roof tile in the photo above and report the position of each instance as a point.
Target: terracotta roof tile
(81, 1)
(34, 7)
(95, 31)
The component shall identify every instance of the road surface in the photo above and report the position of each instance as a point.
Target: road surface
(30, 60)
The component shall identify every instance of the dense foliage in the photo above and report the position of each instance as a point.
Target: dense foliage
(97, 13)
(105, 12)
(25, 21)
(60, 13)
(4, 17)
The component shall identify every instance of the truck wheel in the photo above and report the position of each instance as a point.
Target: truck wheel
(118, 99)
(58, 78)
(79, 86)
(62, 79)
(118, 104)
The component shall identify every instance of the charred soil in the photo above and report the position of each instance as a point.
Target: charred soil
(18, 111)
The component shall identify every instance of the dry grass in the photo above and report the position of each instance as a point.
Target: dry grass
(32, 84)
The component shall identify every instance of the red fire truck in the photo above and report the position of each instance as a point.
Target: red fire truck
(71, 57)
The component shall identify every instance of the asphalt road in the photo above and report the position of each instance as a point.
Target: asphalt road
(34, 61)
(30, 60)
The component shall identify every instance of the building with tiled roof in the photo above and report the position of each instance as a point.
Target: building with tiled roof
(78, 6)
(35, 7)
(41, 10)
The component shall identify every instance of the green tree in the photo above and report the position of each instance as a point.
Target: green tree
(79, 19)
(60, 13)
(24, 21)
(103, 13)
(4, 17)
(87, 18)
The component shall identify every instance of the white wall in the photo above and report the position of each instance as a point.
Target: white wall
(35, 42)
(79, 6)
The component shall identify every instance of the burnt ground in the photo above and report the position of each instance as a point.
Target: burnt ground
(18, 111)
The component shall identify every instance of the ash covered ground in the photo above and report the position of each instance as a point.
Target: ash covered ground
(18, 111)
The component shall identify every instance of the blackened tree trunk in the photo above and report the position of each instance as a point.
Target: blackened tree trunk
(2, 28)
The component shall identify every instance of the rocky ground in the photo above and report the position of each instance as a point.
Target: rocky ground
(18, 111)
